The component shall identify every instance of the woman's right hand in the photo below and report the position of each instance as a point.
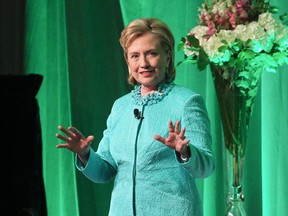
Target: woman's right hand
(75, 141)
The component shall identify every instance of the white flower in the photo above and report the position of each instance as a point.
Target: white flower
(189, 52)
(239, 31)
(275, 27)
(255, 31)
(211, 48)
(267, 21)
(251, 31)
(282, 39)
(281, 33)
(199, 32)
(227, 35)
(221, 7)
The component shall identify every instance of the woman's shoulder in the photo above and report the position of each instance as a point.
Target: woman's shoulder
(184, 92)
(123, 100)
(124, 97)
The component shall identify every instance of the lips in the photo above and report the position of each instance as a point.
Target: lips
(146, 72)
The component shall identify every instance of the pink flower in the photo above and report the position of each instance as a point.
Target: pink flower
(232, 19)
(211, 29)
(241, 7)
(242, 2)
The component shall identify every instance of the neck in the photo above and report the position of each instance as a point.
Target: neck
(145, 90)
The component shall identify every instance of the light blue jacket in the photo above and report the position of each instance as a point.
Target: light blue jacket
(150, 178)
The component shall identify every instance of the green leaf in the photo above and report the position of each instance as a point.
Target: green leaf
(222, 48)
(187, 60)
(270, 65)
(179, 63)
(224, 42)
(253, 92)
(240, 64)
(232, 62)
(270, 69)
(281, 58)
(244, 74)
(236, 46)
(193, 40)
(203, 60)
(242, 84)
(284, 18)
(273, 9)
(246, 55)
(181, 44)
(193, 49)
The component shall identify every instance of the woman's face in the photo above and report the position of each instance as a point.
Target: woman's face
(147, 60)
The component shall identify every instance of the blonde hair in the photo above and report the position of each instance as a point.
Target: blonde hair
(155, 26)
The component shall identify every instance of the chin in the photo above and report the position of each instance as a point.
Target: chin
(150, 85)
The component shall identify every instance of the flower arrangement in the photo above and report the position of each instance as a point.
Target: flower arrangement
(239, 34)
(238, 39)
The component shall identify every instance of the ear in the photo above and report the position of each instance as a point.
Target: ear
(129, 70)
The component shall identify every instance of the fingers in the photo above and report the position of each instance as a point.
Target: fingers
(76, 132)
(62, 146)
(185, 142)
(90, 139)
(64, 130)
(182, 133)
(62, 137)
(71, 132)
(171, 127)
(159, 138)
(175, 129)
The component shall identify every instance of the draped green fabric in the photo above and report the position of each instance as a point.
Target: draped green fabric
(46, 53)
(74, 45)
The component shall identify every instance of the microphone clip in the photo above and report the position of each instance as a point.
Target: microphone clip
(137, 114)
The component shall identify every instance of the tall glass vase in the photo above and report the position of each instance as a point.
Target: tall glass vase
(235, 105)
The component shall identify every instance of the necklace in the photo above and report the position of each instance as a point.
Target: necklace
(151, 98)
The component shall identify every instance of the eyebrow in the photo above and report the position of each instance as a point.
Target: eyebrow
(147, 51)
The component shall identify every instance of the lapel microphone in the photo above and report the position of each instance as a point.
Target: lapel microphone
(137, 114)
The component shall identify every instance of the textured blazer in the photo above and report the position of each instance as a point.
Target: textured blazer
(149, 177)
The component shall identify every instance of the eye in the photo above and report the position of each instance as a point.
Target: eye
(134, 56)
(152, 53)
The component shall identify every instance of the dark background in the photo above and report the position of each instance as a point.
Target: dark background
(21, 187)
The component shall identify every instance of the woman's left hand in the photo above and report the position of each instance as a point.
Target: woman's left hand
(176, 139)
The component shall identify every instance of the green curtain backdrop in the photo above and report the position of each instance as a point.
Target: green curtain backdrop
(46, 53)
(74, 45)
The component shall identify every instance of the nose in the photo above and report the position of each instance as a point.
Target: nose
(144, 63)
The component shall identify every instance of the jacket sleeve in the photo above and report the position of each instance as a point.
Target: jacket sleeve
(196, 121)
(97, 169)
(101, 166)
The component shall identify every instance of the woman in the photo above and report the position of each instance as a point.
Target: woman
(154, 164)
